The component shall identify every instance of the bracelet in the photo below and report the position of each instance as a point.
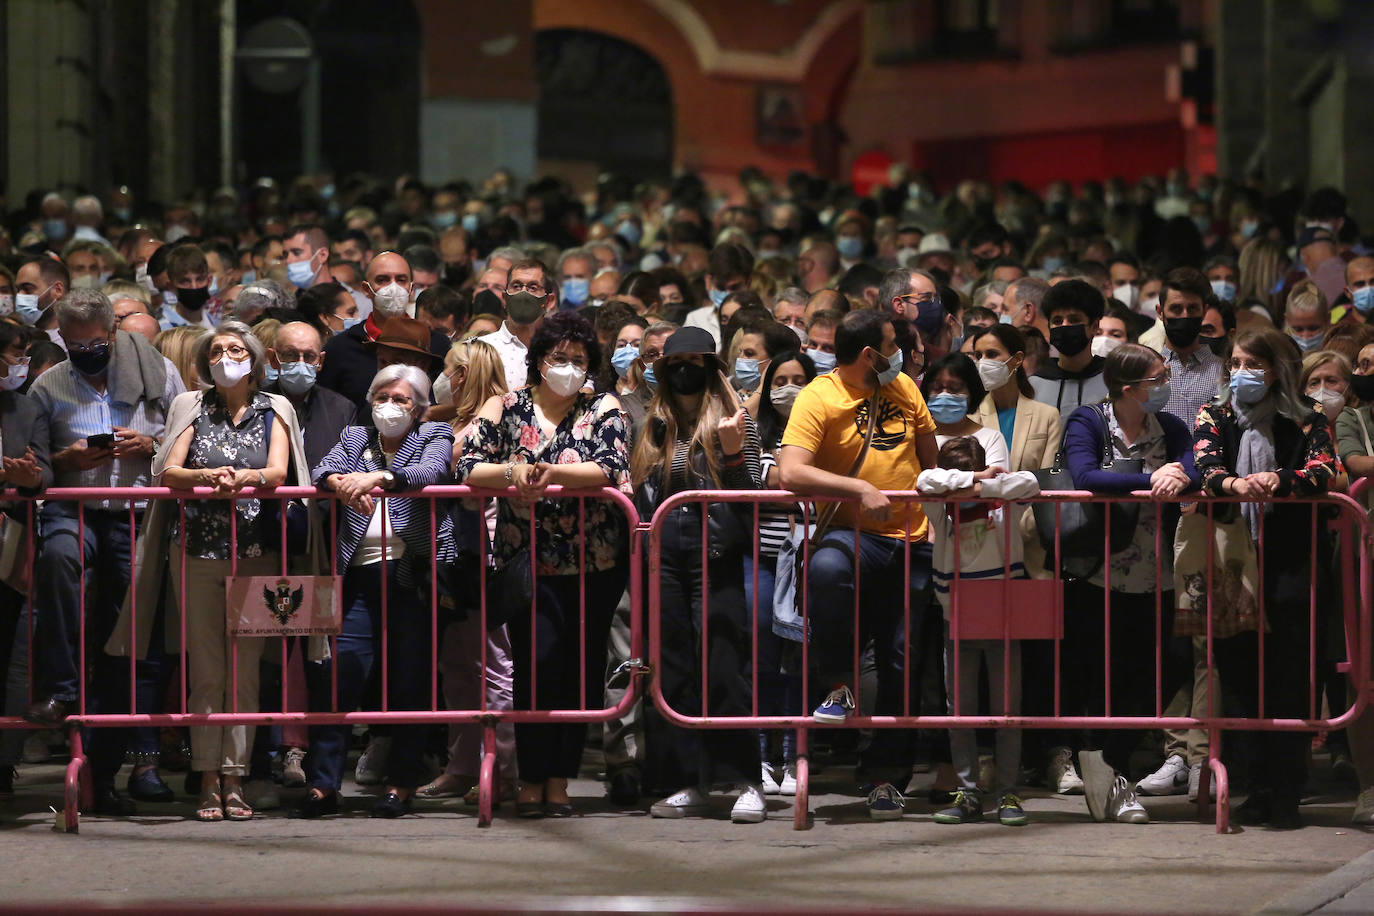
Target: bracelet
(510, 473)
(733, 461)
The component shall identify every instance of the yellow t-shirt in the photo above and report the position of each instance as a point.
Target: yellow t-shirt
(829, 419)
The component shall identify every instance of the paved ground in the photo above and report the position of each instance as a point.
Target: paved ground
(1061, 861)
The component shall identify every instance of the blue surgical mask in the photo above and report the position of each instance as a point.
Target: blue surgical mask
(269, 375)
(351, 322)
(747, 373)
(1004, 318)
(623, 358)
(296, 378)
(948, 409)
(649, 378)
(214, 284)
(1364, 299)
(1306, 344)
(26, 307)
(1225, 290)
(629, 231)
(825, 362)
(1156, 398)
(55, 229)
(1248, 386)
(576, 290)
(299, 273)
(1051, 264)
(470, 222)
(718, 296)
(444, 218)
(850, 247)
(894, 368)
(248, 276)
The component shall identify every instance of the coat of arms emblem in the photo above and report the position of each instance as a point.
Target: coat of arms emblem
(283, 603)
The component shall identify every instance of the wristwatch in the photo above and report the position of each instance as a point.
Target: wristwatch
(262, 478)
(388, 480)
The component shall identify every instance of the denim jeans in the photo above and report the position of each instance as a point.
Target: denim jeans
(357, 654)
(884, 590)
(779, 692)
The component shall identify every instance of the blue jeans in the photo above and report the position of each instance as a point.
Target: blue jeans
(779, 693)
(357, 651)
(104, 549)
(883, 592)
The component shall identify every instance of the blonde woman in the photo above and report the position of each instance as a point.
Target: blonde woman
(1262, 266)
(179, 346)
(699, 436)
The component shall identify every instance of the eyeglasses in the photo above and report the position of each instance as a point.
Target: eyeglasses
(399, 400)
(1153, 379)
(650, 355)
(926, 299)
(309, 357)
(558, 361)
(1237, 364)
(534, 288)
(235, 352)
(88, 346)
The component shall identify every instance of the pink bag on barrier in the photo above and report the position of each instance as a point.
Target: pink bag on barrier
(283, 605)
(1033, 608)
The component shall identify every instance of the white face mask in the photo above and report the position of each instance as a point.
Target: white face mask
(993, 373)
(784, 397)
(1148, 306)
(1102, 344)
(1332, 402)
(1126, 294)
(18, 374)
(228, 373)
(443, 389)
(564, 381)
(392, 299)
(391, 420)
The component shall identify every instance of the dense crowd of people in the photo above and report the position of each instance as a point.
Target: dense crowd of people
(1162, 336)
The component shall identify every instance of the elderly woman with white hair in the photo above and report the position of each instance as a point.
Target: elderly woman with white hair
(228, 437)
(384, 548)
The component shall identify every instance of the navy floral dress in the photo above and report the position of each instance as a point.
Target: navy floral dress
(220, 442)
(593, 430)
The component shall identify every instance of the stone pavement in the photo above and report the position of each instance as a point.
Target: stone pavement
(1061, 861)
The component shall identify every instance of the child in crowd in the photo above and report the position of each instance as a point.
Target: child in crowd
(983, 553)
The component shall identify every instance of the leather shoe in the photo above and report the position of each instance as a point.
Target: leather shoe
(149, 787)
(555, 809)
(624, 788)
(391, 805)
(529, 810)
(1256, 810)
(49, 713)
(109, 803)
(313, 806)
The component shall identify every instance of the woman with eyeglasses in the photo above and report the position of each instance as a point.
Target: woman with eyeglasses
(383, 549)
(1131, 425)
(553, 433)
(1259, 439)
(228, 436)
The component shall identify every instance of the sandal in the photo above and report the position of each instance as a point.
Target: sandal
(235, 808)
(210, 808)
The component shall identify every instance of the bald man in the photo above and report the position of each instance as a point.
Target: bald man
(297, 357)
(825, 300)
(140, 323)
(352, 354)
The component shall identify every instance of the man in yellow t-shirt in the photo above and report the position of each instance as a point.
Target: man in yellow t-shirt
(825, 435)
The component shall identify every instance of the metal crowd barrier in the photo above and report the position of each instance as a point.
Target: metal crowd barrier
(1356, 555)
(79, 789)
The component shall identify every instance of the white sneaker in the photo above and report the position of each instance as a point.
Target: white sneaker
(1195, 780)
(261, 794)
(1061, 777)
(788, 786)
(293, 770)
(372, 763)
(1172, 778)
(690, 802)
(1364, 808)
(1123, 807)
(770, 785)
(750, 808)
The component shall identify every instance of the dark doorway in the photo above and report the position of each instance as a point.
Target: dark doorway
(605, 101)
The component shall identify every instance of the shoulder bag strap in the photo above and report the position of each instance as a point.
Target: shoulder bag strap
(826, 514)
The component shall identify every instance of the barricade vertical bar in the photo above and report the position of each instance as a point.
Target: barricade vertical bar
(81, 605)
(906, 623)
(133, 612)
(534, 616)
(28, 630)
(1106, 607)
(234, 571)
(705, 603)
(801, 802)
(384, 511)
(582, 599)
(1262, 616)
(1058, 575)
(283, 508)
(956, 610)
(754, 643)
(181, 574)
(434, 608)
(858, 643)
(1214, 734)
(1160, 635)
(334, 640)
(486, 776)
(1009, 516)
(1312, 622)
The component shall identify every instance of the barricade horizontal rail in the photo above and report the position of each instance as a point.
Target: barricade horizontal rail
(1334, 522)
(90, 515)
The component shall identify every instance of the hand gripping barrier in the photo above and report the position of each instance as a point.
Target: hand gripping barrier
(977, 606)
(87, 506)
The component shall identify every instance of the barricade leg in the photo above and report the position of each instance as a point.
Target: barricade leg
(1215, 769)
(801, 803)
(486, 779)
(78, 783)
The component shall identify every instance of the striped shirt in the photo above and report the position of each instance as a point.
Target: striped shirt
(1193, 381)
(76, 410)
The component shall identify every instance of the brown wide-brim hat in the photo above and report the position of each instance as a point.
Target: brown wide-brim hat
(401, 333)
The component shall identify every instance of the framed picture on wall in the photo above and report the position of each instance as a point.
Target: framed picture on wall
(779, 116)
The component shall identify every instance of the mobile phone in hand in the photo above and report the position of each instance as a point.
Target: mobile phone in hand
(104, 440)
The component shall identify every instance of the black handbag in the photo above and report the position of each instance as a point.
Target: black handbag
(1083, 526)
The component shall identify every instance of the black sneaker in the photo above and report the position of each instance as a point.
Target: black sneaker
(623, 787)
(967, 807)
(1010, 812)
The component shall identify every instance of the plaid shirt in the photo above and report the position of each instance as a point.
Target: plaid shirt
(1193, 381)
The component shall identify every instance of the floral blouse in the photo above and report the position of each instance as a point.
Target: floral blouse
(592, 431)
(220, 442)
(1312, 476)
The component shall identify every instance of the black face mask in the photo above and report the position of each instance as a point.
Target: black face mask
(524, 308)
(455, 275)
(685, 378)
(487, 303)
(1363, 386)
(1181, 332)
(93, 361)
(1216, 344)
(1069, 339)
(193, 299)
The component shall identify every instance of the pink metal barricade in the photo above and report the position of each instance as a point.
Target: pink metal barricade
(78, 777)
(1356, 557)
